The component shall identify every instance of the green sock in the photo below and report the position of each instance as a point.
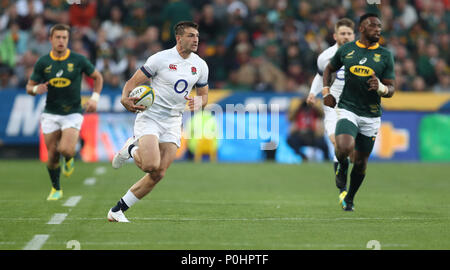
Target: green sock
(341, 169)
(356, 180)
(54, 177)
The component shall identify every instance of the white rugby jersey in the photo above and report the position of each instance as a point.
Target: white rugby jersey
(172, 80)
(322, 62)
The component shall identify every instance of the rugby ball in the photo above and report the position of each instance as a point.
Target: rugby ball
(146, 95)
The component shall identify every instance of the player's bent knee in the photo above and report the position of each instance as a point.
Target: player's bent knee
(150, 167)
(66, 152)
(344, 149)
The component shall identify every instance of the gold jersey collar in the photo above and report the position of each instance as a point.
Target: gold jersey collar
(62, 58)
(359, 44)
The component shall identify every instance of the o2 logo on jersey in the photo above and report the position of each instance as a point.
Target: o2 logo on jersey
(181, 86)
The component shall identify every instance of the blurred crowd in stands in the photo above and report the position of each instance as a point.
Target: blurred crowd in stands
(249, 45)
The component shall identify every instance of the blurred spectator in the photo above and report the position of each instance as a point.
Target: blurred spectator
(6, 77)
(418, 84)
(233, 82)
(306, 129)
(39, 43)
(56, 11)
(220, 9)
(237, 9)
(27, 10)
(409, 72)
(8, 17)
(295, 72)
(174, 12)
(29, 7)
(108, 63)
(24, 67)
(104, 14)
(400, 78)
(13, 44)
(444, 47)
(145, 45)
(113, 27)
(444, 83)
(426, 64)
(210, 27)
(136, 18)
(217, 62)
(261, 75)
(273, 55)
(82, 14)
(405, 13)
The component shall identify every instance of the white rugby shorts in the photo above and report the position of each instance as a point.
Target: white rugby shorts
(167, 129)
(368, 126)
(330, 120)
(53, 122)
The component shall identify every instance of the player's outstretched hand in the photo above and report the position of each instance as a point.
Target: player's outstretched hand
(128, 103)
(373, 83)
(329, 101)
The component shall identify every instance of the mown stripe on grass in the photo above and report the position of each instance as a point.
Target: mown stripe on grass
(37, 242)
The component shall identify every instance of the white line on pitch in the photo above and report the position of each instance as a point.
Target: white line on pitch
(57, 218)
(72, 201)
(37, 242)
(90, 181)
(15, 219)
(100, 170)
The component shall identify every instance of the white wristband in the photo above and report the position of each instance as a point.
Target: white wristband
(35, 89)
(382, 89)
(95, 96)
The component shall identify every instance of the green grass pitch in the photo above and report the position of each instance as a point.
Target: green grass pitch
(220, 206)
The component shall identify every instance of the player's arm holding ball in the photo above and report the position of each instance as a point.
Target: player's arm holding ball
(128, 102)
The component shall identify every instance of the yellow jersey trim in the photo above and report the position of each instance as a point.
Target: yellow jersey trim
(359, 44)
(62, 58)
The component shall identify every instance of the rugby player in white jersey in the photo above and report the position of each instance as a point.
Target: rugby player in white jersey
(343, 33)
(157, 131)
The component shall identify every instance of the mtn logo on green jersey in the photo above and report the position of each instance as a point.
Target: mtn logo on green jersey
(59, 82)
(361, 71)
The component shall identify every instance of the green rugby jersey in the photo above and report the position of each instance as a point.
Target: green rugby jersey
(64, 75)
(360, 63)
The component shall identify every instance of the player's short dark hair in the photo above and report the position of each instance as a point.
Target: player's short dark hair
(59, 27)
(344, 22)
(179, 27)
(367, 15)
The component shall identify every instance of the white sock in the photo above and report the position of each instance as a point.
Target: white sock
(129, 198)
(335, 159)
(133, 150)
